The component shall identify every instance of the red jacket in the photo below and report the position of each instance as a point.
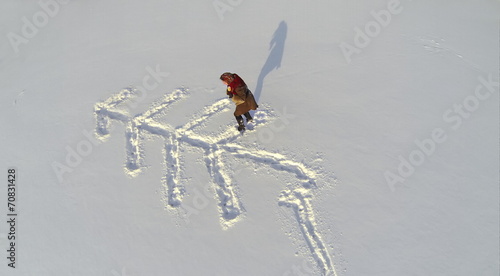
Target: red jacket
(235, 84)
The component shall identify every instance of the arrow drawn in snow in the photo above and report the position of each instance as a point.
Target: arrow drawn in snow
(298, 196)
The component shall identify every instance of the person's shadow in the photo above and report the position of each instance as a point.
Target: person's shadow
(277, 47)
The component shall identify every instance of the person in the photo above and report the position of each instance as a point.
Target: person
(238, 91)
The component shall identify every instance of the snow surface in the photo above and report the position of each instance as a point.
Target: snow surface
(128, 161)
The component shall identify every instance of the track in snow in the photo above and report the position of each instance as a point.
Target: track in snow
(296, 196)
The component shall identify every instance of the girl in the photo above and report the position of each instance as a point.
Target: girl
(238, 91)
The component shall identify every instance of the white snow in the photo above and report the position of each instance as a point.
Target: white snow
(375, 149)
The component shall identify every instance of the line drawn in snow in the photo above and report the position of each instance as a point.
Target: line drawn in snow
(297, 196)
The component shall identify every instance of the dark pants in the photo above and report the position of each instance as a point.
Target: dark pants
(239, 118)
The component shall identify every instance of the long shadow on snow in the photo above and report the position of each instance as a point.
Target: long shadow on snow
(277, 47)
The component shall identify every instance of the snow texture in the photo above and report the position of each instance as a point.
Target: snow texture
(374, 150)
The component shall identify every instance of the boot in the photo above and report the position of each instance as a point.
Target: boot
(241, 125)
(249, 117)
